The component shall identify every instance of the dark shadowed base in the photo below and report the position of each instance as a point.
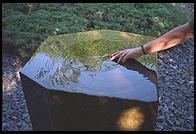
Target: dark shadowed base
(57, 110)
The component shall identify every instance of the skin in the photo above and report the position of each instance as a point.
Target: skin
(168, 40)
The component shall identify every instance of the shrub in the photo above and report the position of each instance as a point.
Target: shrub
(25, 25)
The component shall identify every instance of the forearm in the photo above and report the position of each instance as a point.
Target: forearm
(170, 39)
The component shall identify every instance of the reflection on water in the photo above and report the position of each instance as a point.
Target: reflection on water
(80, 63)
(112, 96)
(131, 80)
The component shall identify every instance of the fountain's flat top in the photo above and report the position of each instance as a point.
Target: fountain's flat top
(80, 63)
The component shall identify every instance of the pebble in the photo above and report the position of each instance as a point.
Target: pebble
(173, 66)
(19, 124)
(170, 122)
(165, 108)
(159, 127)
(191, 83)
(4, 125)
(161, 55)
(181, 81)
(191, 117)
(9, 93)
(177, 122)
(176, 87)
(167, 78)
(13, 98)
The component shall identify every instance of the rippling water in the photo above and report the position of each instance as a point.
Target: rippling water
(131, 80)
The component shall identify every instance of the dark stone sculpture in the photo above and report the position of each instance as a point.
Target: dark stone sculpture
(70, 83)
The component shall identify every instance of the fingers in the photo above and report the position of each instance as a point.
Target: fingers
(126, 54)
(116, 55)
(122, 57)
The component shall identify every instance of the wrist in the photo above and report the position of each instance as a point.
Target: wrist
(139, 51)
(142, 47)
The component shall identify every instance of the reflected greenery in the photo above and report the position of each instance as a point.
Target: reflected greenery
(88, 50)
(55, 71)
(81, 62)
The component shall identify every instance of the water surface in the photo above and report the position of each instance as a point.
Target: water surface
(84, 67)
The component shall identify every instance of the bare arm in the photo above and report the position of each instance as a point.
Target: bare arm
(168, 40)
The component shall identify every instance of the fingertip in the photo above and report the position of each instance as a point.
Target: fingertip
(113, 58)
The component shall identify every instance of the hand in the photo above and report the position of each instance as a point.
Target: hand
(123, 55)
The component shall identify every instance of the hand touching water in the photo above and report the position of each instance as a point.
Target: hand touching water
(168, 40)
(123, 55)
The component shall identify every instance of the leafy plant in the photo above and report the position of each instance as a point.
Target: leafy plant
(26, 25)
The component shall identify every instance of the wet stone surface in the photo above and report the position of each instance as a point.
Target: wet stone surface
(61, 83)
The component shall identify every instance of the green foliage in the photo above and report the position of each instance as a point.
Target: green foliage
(26, 25)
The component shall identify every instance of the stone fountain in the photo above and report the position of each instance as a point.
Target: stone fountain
(71, 84)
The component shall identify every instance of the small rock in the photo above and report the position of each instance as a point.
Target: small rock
(17, 104)
(167, 100)
(11, 128)
(160, 127)
(8, 93)
(165, 108)
(160, 118)
(181, 81)
(171, 60)
(167, 57)
(161, 55)
(191, 117)
(14, 117)
(171, 108)
(191, 78)
(19, 124)
(170, 122)
(177, 122)
(167, 78)
(173, 66)
(4, 125)
(191, 83)
(26, 115)
(167, 84)
(160, 62)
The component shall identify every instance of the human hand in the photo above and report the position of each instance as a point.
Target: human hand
(123, 55)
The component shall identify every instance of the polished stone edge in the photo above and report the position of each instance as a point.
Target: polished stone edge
(46, 113)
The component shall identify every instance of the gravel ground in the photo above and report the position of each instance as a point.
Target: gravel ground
(176, 84)
(15, 115)
(175, 87)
